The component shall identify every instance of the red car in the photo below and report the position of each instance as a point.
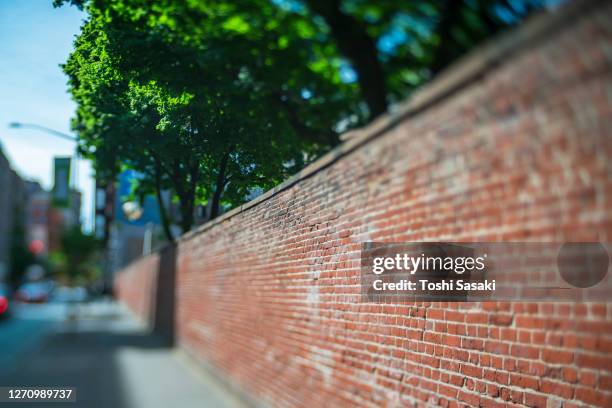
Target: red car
(4, 302)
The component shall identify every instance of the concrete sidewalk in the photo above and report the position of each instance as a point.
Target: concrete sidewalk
(113, 362)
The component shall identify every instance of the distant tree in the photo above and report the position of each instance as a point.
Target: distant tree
(75, 260)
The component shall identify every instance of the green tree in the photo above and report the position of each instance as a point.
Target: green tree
(76, 260)
(211, 99)
(198, 118)
(395, 46)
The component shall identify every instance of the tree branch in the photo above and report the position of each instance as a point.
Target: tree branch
(356, 45)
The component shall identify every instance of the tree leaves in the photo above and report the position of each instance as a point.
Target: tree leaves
(213, 100)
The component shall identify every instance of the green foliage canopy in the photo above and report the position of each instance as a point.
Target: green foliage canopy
(197, 108)
(212, 99)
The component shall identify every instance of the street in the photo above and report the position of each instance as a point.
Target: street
(105, 354)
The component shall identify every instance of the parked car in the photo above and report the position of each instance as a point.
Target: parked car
(66, 294)
(33, 292)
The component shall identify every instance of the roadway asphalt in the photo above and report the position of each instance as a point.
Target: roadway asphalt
(110, 359)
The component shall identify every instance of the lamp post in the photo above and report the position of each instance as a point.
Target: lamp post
(18, 125)
(56, 133)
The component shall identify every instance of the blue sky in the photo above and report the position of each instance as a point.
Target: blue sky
(34, 39)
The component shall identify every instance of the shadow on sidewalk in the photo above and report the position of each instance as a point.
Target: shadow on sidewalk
(164, 299)
(94, 361)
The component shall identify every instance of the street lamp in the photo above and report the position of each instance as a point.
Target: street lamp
(56, 133)
(18, 125)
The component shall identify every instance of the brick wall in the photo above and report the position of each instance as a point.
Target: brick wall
(147, 288)
(136, 287)
(513, 144)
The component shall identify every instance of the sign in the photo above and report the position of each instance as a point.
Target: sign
(61, 186)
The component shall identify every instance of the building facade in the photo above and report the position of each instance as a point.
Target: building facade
(12, 202)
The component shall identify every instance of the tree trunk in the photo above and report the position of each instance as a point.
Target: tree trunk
(446, 51)
(215, 205)
(160, 202)
(356, 45)
(329, 137)
(186, 195)
(186, 213)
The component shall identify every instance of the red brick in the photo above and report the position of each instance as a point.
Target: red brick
(605, 382)
(471, 399)
(593, 397)
(501, 319)
(490, 403)
(557, 356)
(593, 361)
(552, 387)
(525, 351)
(535, 400)
(524, 381)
